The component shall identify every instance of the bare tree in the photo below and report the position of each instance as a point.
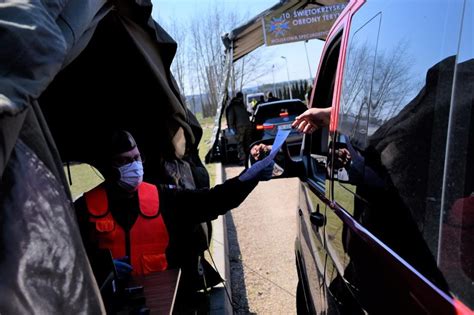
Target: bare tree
(199, 65)
(251, 68)
(178, 66)
(391, 82)
(358, 72)
(208, 59)
(384, 81)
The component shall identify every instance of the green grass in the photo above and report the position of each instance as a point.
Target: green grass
(84, 177)
(207, 125)
(205, 121)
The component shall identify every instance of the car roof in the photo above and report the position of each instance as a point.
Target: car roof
(255, 94)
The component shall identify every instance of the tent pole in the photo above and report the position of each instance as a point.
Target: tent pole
(233, 68)
(223, 99)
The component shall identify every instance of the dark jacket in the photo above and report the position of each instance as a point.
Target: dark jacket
(237, 114)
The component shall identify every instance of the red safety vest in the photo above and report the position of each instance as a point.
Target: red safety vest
(148, 236)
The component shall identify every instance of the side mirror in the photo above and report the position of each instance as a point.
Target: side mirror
(285, 165)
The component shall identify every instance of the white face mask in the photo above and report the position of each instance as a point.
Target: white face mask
(131, 175)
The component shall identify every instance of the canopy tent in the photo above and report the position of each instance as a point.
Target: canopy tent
(70, 70)
(246, 38)
(249, 36)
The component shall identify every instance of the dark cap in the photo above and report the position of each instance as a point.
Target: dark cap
(120, 141)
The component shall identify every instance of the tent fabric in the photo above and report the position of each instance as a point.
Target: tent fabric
(56, 57)
(78, 22)
(43, 266)
(249, 36)
(162, 73)
(131, 87)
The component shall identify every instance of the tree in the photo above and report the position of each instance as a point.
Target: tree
(250, 68)
(179, 65)
(200, 61)
(377, 85)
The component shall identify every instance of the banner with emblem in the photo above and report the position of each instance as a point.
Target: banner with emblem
(312, 21)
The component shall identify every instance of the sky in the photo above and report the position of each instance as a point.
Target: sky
(166, 10)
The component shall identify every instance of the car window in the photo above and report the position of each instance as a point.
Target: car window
(456, 232)
(354, 108)
(322, 98)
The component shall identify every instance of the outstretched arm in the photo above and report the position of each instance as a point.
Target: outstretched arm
(312, 119)
(200, 205)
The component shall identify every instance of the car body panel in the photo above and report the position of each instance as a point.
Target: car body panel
(385, 243)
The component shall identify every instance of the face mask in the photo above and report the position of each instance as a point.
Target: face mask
(131, 175)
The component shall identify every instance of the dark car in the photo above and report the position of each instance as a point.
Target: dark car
(272, 116)
(266, 121)
(386, 207)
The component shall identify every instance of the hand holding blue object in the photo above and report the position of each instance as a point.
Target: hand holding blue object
(267, 172)
(255, 172)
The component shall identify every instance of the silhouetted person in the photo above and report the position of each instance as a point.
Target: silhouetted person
(271, 98)
(238, 120)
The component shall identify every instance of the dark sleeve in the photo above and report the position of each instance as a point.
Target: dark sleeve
(202, 205)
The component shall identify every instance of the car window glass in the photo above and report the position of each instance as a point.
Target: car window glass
(456, 234)
(322, 98)
(395, 128)
(354, 110)
(359, 68)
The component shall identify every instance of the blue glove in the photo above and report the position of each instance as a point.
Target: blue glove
(123, 268)
(232, 131)
(262, 175)
(266, 173)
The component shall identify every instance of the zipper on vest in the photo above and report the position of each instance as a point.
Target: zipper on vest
(128, 251)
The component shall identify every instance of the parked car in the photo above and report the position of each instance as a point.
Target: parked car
(386, 207)
(272, 116)
(267, 119)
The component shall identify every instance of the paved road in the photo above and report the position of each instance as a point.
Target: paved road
(261, 234)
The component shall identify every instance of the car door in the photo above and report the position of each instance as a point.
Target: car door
(314, 191)
(387, 160)
(358, 79)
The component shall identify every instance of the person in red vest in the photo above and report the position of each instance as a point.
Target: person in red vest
(134, 219)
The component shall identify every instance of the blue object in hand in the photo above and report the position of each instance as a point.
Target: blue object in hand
(258, 173)
(266, 173)
(123, 268)
(232, 131)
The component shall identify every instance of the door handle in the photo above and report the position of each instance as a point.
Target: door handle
(317, 219)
